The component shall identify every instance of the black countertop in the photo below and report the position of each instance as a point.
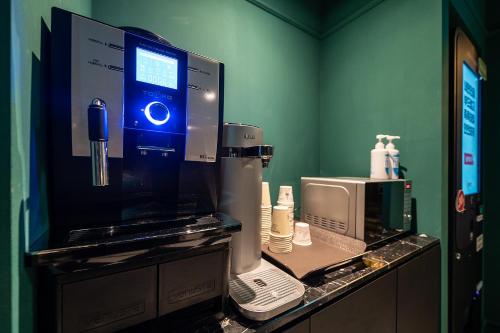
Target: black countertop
(325, 288)
(320, 289)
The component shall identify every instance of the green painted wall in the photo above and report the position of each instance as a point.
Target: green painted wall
(378, 79)
(382, 68)
(271, 70)
(383, 73)
(337, 13)
(303, 14)
(27, 211)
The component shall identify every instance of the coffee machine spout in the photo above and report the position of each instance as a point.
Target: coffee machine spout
(267, 153)
(98, 137)
(264, 152)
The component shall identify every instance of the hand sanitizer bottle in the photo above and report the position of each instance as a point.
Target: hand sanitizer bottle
(393, 157)
(379, 168)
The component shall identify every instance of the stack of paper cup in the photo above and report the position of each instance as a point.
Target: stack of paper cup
(266, 211)
(280, 237)
(285, 198)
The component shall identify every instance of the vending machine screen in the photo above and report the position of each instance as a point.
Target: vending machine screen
(470, 131)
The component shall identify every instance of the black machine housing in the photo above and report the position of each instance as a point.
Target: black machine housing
(160, 176)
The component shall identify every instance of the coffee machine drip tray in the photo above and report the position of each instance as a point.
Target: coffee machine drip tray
(265, 292)
(179, 234)
(143, 228)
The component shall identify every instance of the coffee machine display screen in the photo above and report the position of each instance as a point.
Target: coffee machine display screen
(470, 131)
(155, 68)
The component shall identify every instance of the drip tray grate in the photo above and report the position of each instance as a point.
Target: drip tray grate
(265, 292)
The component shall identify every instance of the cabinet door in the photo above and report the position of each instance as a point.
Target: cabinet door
(371, 309)
(190, 281)
(111, 302)
(419, 296)
(302, 327)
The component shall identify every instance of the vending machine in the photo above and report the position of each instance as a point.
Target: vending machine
(466, 219)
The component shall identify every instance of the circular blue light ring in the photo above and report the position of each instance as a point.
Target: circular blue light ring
(147, 111)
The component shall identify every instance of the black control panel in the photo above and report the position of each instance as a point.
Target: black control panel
(155, 86)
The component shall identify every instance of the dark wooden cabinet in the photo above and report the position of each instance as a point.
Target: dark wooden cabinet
(108, 303)
(419, 298)
(403, 300)
(372, 308)
(301, 327)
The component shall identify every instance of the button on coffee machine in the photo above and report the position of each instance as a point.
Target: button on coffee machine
(157, 113)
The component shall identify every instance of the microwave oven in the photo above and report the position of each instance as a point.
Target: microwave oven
(370, 210)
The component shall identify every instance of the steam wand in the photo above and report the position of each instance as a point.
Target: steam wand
(98, 136)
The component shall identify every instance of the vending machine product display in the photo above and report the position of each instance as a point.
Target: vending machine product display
(466, 219)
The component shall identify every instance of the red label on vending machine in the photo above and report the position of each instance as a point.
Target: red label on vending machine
(460, 201)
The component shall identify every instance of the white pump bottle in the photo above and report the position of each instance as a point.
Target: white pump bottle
(393, 157)
(379, 168)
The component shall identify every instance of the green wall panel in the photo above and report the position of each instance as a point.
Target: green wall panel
(376, 78)
(27, 205)
(383, 73)
(320, 102)
(338, 13)
(304, 14)
(271, 70)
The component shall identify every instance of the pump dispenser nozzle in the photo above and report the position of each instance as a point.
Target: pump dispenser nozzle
(390, 145)
(380, 144)
(393, 157)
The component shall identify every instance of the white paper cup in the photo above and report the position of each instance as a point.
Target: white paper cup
(266, 195)
(280, 224)
(285, 194)
(290, 206)
(302, 234)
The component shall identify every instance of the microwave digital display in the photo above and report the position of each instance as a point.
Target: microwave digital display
(155, 68)
(470, 131)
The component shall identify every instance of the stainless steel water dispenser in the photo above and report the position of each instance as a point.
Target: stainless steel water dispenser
(244, 156)
(259, 290)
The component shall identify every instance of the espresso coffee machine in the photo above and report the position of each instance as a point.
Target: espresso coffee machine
(135, 134)
(135, 131)
(259, 289)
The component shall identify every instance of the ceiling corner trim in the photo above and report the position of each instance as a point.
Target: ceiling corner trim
(286, 18)
(369, 5)
(477, 18)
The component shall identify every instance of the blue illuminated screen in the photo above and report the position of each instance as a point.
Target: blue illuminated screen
(155, 68)
(470, 131)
